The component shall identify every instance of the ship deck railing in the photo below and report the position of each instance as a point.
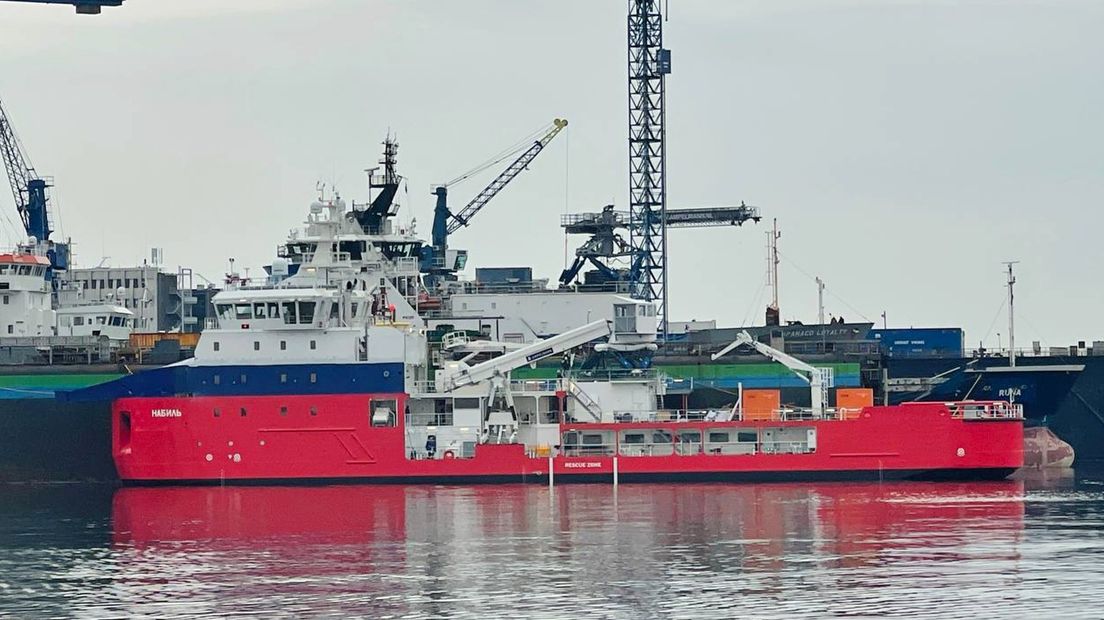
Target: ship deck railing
(787, 414)
(983, 410)
(634, 374)
(592, 450)
(679, 448)
(543, 385)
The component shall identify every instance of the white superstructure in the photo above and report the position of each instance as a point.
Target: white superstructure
(25, 306)
(100, 320)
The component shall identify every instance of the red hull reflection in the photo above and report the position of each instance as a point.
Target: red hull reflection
(849, 522)
(337, 515)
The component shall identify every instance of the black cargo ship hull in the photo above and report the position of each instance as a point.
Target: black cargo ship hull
(43, 440)
(1063, 393)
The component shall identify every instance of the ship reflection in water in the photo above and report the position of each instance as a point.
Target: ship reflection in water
(1025, 548)
(424, 551)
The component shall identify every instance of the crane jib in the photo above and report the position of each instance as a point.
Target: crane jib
(539, 355)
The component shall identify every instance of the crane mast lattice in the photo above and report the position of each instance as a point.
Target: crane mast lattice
(648, 65)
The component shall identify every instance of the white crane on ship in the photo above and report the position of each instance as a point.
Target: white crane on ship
(819, 379)
(503, 424)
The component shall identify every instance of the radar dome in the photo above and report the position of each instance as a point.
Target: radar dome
(279, 267)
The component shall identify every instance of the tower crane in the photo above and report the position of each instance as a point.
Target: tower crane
(438, 260)
(648, 218)
(31, 196)
(819, 379)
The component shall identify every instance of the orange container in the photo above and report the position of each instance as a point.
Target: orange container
(853, 400)
(147, 340)
(761, 404)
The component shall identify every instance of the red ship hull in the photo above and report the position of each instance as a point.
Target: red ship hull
(330, 438)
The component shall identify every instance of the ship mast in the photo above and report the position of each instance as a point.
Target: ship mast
(820, 301)
(773, 315)
(1011, 315)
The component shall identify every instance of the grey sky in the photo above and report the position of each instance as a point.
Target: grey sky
(906, 147)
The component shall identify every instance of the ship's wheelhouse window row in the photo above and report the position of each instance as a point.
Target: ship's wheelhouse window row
(22, 270)
(292, 311)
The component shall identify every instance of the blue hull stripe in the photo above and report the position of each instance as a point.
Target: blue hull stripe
(275, 380)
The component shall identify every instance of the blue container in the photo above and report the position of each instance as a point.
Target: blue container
(916, 342)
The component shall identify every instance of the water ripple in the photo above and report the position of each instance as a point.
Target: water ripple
(991, 550)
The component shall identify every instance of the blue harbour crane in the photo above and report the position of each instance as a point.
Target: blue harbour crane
(32, 198)
(438, 260)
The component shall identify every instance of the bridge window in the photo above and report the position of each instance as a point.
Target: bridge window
(77, 321)
(306, 312)
(273, 310)
(259, 311)
(288, 309)
(243, 311)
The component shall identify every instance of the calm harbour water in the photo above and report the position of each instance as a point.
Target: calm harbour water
(1030, 548)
